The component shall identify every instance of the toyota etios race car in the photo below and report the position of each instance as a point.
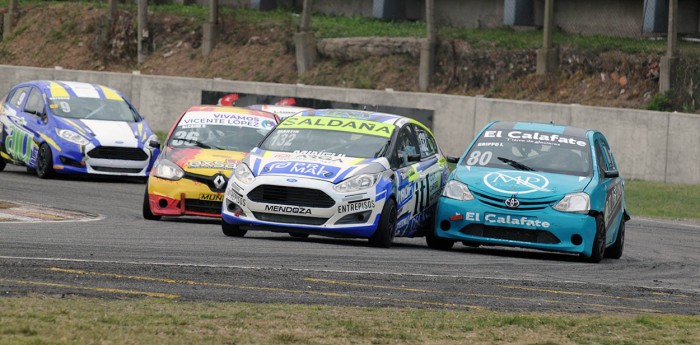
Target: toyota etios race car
(534, 185)
(202, 149)
(70, 127)
(338, 173)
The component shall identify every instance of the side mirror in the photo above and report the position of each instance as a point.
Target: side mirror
(452, 159)
(154, 143)
(414, 157)
(611, 174)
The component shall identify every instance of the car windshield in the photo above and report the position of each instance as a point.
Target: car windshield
(217, 137)
(319, 140)
(531, 151)
(93, 109)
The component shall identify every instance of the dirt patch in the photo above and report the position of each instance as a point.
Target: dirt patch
(76, 36)
(6, 204)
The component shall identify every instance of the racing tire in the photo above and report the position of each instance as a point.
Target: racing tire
(2, 164)
(384, 235)
(146, 209)
(598, 242)
(44, 162)
(615, 251)
(298, 234)
(232, 230)
(471, 244)
(433, 240)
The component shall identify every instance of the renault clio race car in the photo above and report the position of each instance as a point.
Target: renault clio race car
(201, 151)
(541, 186)
(338, 173)
(70, 127)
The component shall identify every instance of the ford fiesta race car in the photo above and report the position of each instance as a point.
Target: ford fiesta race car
(202, 148)
(541, 186)
(70, 127)
(338, 173)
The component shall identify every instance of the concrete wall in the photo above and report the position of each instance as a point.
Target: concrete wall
(652, 146)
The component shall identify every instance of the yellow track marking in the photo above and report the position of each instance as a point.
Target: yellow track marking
(98, 289)
(573, 293)
(260, 288)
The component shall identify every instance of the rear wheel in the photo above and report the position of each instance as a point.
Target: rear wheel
(146, 209)
(615, 251)
(233, 230)
(44, 162)
(598, 241)
(384, 235)
(298, 234)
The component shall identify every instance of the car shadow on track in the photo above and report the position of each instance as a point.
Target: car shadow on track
(520, 253)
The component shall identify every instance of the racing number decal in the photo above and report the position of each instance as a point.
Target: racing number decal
(481, 159)
(185, 138)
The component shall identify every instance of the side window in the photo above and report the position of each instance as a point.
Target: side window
(35, 103)
(19, 96)
(600, 158)
(609, 157)
(405, 145)
(426, 143)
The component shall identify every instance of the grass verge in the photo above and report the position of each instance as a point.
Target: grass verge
(44, 320)
(662, 200)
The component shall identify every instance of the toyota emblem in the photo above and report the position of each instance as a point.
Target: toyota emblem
(512, 202)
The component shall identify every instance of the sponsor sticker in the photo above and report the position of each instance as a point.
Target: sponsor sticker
(287, 209)
(516, 182)
(339, 124)
(211, 165)
(516, 221)
(211, 197)
(235, 197)
(301, 168)
(355, 206)
(535, 137)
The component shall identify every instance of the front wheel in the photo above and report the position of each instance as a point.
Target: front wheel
(44, 162)
(2, 164)
(232, 230)
(146, 208)
(384, 234)
(298, 234)
(615, 251)
(598, 242)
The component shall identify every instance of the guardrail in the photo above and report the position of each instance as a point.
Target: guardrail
(648, 145)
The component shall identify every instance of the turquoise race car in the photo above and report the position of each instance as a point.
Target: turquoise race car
(533, 185)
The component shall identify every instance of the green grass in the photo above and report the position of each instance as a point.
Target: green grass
(662, 200)
(45, 320)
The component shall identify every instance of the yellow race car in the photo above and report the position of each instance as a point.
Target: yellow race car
(190, 175)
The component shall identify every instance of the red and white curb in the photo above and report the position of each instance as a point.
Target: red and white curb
(20, 212)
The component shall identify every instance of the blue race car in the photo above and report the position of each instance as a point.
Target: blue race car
(70, 127)
(338, 173)
(532, 185)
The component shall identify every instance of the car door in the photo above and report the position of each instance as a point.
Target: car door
(611, 181)
(34, 113)
(433, 172)
(17, 139)
(405, 159)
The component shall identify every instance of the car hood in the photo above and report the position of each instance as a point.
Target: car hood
(110, 133)
(205, 161)
(321, 166)
(524, 184)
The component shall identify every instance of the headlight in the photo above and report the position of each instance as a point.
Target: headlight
(357, 183)
(169, 170)
(457, 190)
(243, 174)
(75, 138)
(575, 202)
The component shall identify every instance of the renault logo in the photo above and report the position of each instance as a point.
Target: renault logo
(512, 202)
(219, 181)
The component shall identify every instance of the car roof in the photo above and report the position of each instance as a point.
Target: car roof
(67, 89)
(570, 131)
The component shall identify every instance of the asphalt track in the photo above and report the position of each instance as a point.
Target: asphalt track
(115, 253)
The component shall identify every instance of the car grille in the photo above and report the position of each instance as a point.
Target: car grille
(280, 218)
(526, 205)
(122, 153)
(118, 170)
(196, 205)
(292, 196)
(511, 234)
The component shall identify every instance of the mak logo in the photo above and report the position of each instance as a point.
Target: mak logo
(516, 182)
(512, 202)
